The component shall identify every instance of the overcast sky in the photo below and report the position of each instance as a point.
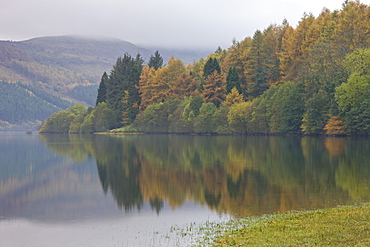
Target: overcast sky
(169, 23)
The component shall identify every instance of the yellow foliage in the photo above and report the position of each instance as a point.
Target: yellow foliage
(233, 97)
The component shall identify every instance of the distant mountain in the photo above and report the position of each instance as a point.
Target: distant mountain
(60, 63)
(69, 67)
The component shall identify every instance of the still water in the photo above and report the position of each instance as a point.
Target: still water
(131, 190)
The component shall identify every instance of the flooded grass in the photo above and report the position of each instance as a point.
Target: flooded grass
(340, 226)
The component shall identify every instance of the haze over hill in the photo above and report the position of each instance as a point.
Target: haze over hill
(68, 66)
(60, 63)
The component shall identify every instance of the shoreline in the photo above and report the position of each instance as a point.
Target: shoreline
(346, 225)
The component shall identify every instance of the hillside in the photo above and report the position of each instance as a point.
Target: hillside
(24, 106)
(59, 64)
(65, 66)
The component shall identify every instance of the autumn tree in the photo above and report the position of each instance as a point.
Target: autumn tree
(352, 27)
(236, 56)
(185, 85)
(147, 87)
(233, 97)
(335, 126)
(295, 46)
(161, 84)
(214, 89)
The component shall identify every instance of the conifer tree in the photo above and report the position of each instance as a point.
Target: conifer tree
(210, 66)
(102, 90)
(155, 61)
(214, 89)
(232, 80)
(125, 76)
(233, 97)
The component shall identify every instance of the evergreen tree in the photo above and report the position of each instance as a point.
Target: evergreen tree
(260, 84)
(232, 80)
(256, 74)
(210, 66)
(155, 61)
(125, 76)
(102, 90)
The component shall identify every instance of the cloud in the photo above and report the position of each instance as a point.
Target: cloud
(170, 23)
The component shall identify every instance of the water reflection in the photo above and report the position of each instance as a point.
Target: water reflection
(236, 175)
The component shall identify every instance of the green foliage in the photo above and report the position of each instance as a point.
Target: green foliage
(50, 98)
(195, 104)
(205, 123)
(102, 90)
(104, 118)
(221, 121)
(59, 122)
(232, 80)
(210, 66)
(87, 126)
(358, 62)
(21, 103)
(83, 93)
(287, 108)
(157, 118)
(316, 113)
(75, 126)
(125, 76)
(278, 110)
(182, 118)
(101, 118)
(65, 121)
(155, 61)
(352, 96)
(239, 117)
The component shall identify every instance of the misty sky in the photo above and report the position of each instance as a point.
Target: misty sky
(161, 23)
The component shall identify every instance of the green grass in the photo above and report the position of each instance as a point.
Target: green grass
(341, 226)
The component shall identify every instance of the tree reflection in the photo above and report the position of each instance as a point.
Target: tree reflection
(238, 175)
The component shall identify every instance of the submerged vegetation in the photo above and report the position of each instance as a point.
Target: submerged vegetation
(312, 79)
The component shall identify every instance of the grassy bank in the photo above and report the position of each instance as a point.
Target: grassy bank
(341, 226)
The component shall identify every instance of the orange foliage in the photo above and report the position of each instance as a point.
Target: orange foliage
(335, 126)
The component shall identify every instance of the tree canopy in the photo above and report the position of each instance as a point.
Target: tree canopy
(303, 80)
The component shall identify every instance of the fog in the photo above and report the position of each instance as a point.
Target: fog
(162, 23)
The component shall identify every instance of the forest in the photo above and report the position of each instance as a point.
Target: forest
(26, 105)
(312, 79)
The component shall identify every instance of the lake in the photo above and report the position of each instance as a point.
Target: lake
(133, 190)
